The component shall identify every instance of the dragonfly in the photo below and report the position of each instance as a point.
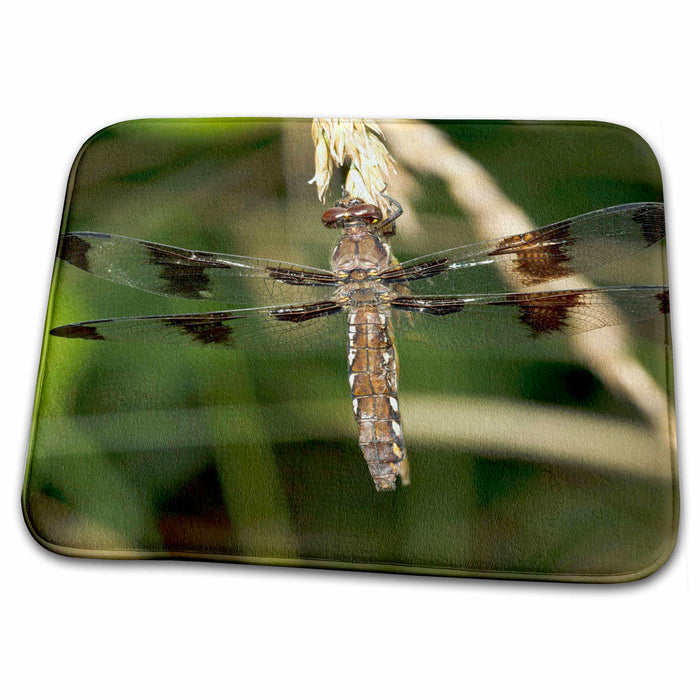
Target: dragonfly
(448, 299)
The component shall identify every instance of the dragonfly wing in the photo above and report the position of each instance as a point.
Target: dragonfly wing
(191, 274)
(557, 251)
(293, 329)
(483, 320)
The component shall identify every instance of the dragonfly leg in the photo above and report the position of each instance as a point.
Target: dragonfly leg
(389, 221)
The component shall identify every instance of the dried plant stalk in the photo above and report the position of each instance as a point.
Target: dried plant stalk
(359, 141)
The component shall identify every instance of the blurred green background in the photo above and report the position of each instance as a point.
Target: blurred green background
(145, 450)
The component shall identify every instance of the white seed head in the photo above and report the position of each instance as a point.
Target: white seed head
(358, 141)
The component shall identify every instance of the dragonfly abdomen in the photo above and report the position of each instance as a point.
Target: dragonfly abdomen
(373, 380)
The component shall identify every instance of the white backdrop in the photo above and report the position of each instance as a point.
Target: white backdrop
(86, 629)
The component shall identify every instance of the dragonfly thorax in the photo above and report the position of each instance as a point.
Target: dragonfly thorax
(370, 292)
(359, 255)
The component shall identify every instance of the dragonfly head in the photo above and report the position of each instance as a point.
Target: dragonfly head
(351, 210)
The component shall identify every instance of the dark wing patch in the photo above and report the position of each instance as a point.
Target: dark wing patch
(539, 256)
(664, 305)
(290, 275)
(578, 245)
(191, 274)
(437, 306)
(75, 250)
(502, 320)
(181, 276)
(305, 312)
(213, 332)
(78, 330)
(545, 313)
(650, 219)
(304, 327)
(423, 270)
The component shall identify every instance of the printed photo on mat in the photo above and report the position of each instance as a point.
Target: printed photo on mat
(233, 299)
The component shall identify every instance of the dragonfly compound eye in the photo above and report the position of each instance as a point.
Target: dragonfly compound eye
(366, 212)
(333, 218)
